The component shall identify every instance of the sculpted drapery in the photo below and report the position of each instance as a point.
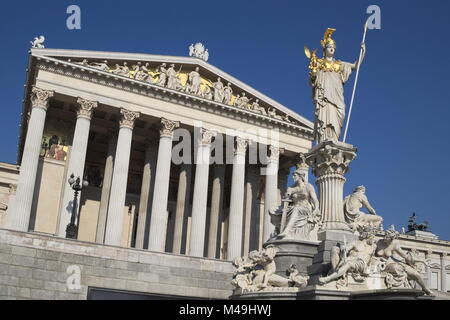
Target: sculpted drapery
(327, 78)
(328, 87)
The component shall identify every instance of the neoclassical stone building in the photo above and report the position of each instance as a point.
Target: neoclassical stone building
(147, 223)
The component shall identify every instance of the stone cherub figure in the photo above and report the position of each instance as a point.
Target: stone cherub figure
(327, 78)
(353, 258)
(301, 212)
(353, 216)
(257, 272)
(398, 272)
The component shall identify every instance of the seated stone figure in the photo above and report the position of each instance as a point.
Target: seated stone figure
(399, 273)
(301, 212)
(353, 216)
(353, 258)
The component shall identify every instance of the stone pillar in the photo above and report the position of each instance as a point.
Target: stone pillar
(303, 166)
(184, 186)
(116, 206)
(235, 222)
(76, 161)
(251, 229)
(158, 223)
(443, 273)
(215, 220)
(30, 159)
(329, 161)
(145, 200)
(199, 202)
(283, 176)
(106, 189)
(271, 190)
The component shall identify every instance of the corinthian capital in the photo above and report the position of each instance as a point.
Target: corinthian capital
(128, 118)
(274, 153)
(40, 97)
(241, 145)
(85, 108)
(206, 136)
(167, 127)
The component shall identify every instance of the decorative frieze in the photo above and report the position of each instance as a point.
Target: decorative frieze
(85, 108)
(145, 88)
(167, 127)
(128, 118)
(40, 97)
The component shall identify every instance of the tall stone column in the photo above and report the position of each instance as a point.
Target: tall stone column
(330, 161)
(120, 178)
(235, 222)
(147, 188)
(76, 160)
(271, 190)
(199, 202)
(184, 186)
(158, 223)
(251, 229)
(106, 188)
(283, 176)
(443, 273)
(30, 159)
(215, 219)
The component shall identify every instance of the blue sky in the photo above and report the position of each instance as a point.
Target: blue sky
(401, 116)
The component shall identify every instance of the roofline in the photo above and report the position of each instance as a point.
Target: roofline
(69, 53)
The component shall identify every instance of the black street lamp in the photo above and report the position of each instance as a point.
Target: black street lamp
(72, 228)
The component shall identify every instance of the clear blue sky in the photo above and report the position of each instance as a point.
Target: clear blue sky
(401, 117)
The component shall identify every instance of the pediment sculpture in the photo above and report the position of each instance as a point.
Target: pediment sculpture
(187, 81)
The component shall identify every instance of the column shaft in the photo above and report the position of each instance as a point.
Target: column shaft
(145, 201)
(76, 161)
(251, 229)
(184, 183)
(235, 224)
(271, 191)
(30, 160)
(158, 224)
(106, 190)
(199, 202)
(119, 183)
(443, 274)
(215, 220)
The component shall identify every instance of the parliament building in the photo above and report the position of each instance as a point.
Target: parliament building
(179, 166)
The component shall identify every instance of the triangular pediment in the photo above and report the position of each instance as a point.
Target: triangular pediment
(188, 75)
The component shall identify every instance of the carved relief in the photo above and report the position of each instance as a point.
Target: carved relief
(188, 82)
(256, 272)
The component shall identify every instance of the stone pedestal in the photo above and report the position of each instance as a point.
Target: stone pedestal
(329, 161)
(321, 263)
(300, 253)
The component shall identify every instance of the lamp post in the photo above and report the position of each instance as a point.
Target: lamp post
(72, 228)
